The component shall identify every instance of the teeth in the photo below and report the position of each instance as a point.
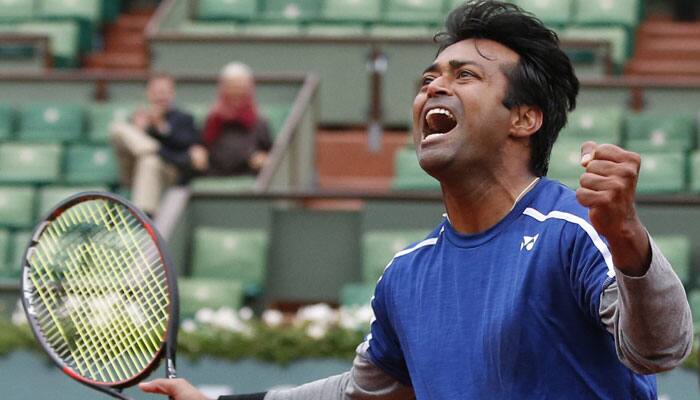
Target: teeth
(443, 111)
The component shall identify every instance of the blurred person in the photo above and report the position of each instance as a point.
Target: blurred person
(235, 139)
(153, 146)
(525, 289)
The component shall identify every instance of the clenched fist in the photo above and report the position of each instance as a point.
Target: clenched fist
(608, 187)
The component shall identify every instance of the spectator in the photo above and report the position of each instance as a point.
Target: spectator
(236, 140)
(153, 146)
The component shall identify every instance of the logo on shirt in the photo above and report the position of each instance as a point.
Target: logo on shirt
(529, 242)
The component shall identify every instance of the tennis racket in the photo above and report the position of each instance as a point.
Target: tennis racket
(100, 293)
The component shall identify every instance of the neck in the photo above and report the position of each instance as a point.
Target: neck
(476, 205)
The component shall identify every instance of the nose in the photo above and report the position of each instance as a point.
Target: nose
(438, 87)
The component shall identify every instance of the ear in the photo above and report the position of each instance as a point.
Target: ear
(525, 121)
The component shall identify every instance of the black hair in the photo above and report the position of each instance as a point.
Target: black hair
(543, 78)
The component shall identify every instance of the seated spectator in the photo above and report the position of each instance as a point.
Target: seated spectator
(153, 147)
(236, 140)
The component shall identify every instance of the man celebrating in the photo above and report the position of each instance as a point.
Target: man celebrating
(526, 290)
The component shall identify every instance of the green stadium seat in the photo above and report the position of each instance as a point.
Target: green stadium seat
(660, 132)
(414, 12)
(241, 10)
(408, 175)
(276, 114)
(551, 12)
(676, 248)
(199, 112)
(18, 244)
(351, 10)
(335, 30)
(270, 29)
(291, 10)
(565, 162)
(608, 12)
(7, 123)
(227, 184)
(198, 293)
(4, 255)
(63, 40)
(662, 172)
(356, 294)
(603, 125)
(617, 37)
(695, 172)
(694, 300)
(88, 164)
(400, 31)
(239, 254)
(17, 206)
(206, 28)
(101, 116)
(50, 196)
(88, 10)
(379, 247)
(17, 10)
(30, 163)
(51, 123)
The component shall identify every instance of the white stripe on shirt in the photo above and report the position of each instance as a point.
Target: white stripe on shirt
(588, 228)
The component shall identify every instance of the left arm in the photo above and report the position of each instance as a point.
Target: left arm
(646, 308)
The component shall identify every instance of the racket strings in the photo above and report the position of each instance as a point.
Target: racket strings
(103, 292)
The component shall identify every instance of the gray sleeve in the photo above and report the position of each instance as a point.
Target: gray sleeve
(364, 381)
(649, 317)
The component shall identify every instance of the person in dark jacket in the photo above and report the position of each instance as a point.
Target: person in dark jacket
(235, 139)
(154, 146)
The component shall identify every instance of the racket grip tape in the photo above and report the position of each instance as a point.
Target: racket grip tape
(253, 396)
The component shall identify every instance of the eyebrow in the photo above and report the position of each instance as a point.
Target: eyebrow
(454, 64)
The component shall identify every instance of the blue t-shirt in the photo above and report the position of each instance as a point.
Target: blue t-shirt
(509, 313)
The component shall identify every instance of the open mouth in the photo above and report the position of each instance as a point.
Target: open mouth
(438, 121)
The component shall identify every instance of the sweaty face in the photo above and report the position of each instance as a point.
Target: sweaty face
(161, 92)
(459, 120)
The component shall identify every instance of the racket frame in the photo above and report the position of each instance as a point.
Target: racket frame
(167, 349)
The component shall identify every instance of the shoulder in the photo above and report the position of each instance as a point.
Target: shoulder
(557, 204)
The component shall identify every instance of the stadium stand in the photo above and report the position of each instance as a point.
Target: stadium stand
(409, 175)
(356, 294)
(214, 293)
(379, 247)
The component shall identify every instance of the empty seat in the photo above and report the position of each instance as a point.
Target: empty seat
(695, 172)
(551, 12)
(18, 244)
(603, 125)
(88, 10)
(676, 248)
(271, 29)
(408, 175)
(6, 121)
(379, 247)
(694, 300)
(356, 294)
(414, 11)
(51, 122)
(616, 36)
(662, 173)
(50, 196)
(89, 164)
(17, 206)
(291, 10)
(31, 163)
(226, 9)
(608, 12)
(14, 10)
(660, 132)
(239, 254)
(198, 293)
(351, 10)
(101, 116)
(4, 254)
(63, 40)
(565, 162)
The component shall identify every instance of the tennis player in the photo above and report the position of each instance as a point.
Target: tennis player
(526, 289)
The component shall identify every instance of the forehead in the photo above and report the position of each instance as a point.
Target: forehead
(160, 83)
(485, 52)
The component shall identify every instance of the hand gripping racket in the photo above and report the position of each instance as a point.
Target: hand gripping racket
(100, 292)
